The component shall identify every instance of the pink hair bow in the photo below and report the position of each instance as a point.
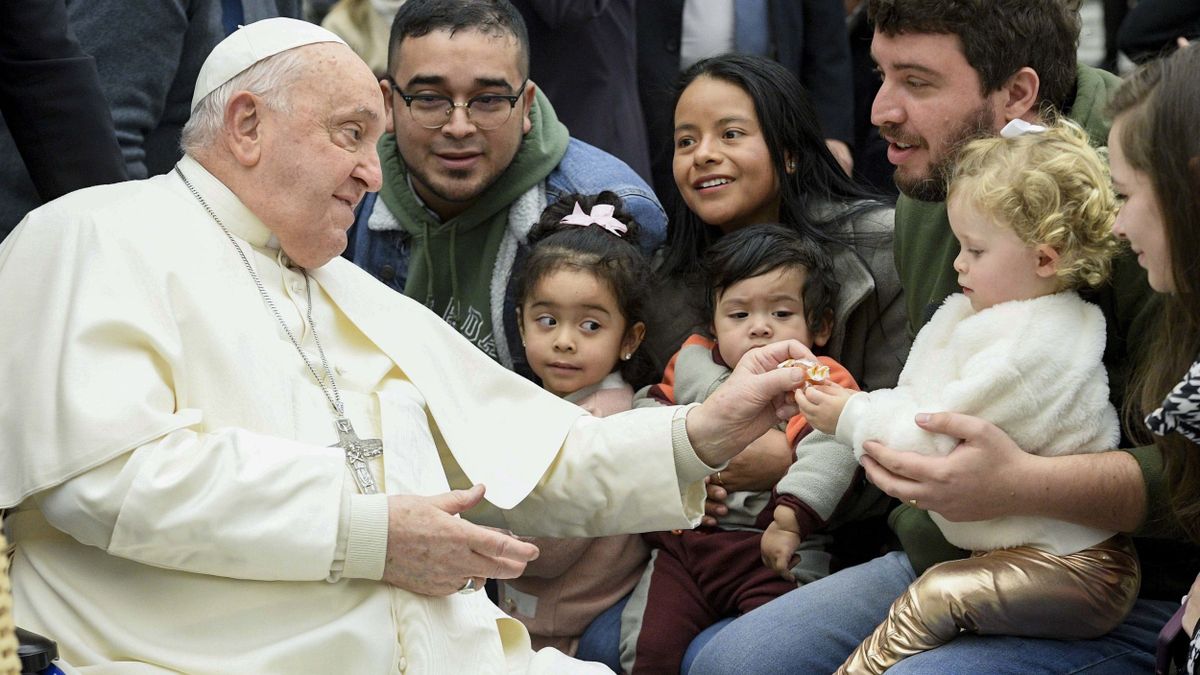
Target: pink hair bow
(602, 215)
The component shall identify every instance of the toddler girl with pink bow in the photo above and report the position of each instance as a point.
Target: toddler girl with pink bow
(580, 310)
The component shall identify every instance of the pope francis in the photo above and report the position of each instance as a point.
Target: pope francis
(225, 449)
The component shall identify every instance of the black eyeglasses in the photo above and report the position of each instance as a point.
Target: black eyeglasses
(485, 111)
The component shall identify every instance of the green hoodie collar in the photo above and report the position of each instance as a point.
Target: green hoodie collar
(1094, 88)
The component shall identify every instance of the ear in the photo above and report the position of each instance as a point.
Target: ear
(385, 86)
(822, 336)
(1020, 94)
(633, 338)
(789, 162)
(529, 93)
(244, 127)
(1047, 261)
(520, 324)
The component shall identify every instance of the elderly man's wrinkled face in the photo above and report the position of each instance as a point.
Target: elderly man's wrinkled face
(318, 157)
(452, 165)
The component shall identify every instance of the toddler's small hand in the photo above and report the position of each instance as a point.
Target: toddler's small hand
(779, 549)
(822, 405)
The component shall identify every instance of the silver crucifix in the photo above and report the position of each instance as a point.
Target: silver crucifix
(358, 451)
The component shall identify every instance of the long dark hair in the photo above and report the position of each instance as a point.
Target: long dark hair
(613, 259)
(792, 132)
(1159, 107)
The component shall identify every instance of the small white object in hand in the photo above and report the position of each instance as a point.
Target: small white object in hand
(814, 372)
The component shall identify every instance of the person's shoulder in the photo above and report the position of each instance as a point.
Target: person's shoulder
(1091, 77)
(587, 169)
(1094, 88)
(1062, 324)
(871, 217)
(868, 232)
(130, 227)
(121, 208)
(100, 196)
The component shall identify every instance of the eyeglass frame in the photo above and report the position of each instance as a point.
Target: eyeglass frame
(466, 105)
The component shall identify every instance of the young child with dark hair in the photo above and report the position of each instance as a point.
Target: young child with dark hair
(766, 283)
(580, 311)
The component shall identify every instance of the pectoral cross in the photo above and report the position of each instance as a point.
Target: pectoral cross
(358, 451)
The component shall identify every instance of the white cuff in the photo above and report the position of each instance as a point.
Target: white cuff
(689, 468)
(366, 544)
(852, 412)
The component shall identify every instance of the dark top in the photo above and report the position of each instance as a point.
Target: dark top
(808, 38)
(582, 53)
(55, 115)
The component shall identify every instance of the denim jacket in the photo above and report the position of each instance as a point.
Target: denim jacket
(584, 169)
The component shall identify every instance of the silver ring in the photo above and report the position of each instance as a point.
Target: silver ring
(914, 503)
(469, 587)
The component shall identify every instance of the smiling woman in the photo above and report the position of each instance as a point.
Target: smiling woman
(722, 166)
(749, 150)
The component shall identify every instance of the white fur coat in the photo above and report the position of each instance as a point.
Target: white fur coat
(1032, 367)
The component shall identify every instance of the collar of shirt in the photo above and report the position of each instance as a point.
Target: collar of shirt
(234, 215)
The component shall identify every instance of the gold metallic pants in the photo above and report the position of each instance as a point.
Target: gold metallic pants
(1012, 591)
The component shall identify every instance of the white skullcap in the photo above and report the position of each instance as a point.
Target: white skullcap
(252, 43)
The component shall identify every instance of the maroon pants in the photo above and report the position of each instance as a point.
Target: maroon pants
(697, 578)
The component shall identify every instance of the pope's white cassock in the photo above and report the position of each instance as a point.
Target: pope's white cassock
(178, 507)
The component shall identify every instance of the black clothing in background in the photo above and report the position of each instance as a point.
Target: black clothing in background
(582, 54)
(871, 165)
(52, 103)
(808, 37)
(1152, 26)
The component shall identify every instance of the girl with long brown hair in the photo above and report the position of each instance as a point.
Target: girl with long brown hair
(1154, 150)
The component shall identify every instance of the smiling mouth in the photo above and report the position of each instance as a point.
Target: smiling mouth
(893, 136)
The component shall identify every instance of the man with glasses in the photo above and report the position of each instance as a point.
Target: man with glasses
(473, 154)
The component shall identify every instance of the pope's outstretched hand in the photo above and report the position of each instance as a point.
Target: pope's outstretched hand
(432, 552)
(755, 398)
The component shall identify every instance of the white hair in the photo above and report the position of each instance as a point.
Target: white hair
(269, 79)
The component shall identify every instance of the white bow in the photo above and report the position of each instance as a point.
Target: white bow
(602, 215)
(1019, 127)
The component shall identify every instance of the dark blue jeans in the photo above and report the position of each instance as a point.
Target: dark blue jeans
(601, 640)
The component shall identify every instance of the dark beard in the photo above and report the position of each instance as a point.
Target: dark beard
(932, 186)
